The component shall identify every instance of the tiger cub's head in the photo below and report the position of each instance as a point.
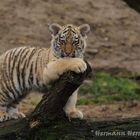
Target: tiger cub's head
(69, 40)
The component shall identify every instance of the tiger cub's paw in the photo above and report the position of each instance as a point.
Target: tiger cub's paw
(21, 115)
(78, 65)
(75, 114)
(4, 116)
(16, 115)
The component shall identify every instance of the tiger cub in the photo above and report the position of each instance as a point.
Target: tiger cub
(29, 68)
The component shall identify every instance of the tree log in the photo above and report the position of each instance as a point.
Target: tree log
(48, 120)
(135, 4)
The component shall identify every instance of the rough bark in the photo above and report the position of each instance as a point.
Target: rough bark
(48, 120)
(135, 4)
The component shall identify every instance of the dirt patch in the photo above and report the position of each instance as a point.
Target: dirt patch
(104, 111)
(113, 43)
(115, 110)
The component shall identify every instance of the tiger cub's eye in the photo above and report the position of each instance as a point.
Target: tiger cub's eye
(76, 42)
(62, 39)
(76, 38)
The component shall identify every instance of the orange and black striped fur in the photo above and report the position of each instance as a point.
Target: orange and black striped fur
(29, 68)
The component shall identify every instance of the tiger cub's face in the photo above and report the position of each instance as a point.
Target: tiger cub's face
(69, 40)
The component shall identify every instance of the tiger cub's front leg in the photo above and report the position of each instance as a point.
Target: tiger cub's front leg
(70, 107)
(56, 68)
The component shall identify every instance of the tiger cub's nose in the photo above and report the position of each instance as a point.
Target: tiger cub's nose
(68, 48)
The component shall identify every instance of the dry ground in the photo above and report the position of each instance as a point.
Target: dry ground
(115, 110)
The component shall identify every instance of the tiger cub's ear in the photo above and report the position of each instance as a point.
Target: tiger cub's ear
(84, 29)
(54, 28)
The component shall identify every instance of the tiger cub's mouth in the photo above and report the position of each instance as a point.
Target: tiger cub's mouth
(63, 54)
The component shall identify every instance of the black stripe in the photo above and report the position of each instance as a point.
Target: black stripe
(7, 63)
(5, 92)
(30, 79)
(11, 65)
(11, 74)
(31, 55)
(10, 90)
(18, 69)
(23, 75)
(3, 99)
(7, 83)
(13, 52)
(6, 79)
(36, 71)
(7, 86)
(37, 60)
(28, 62)
(10, 59)
(66, 30)
(24, 62)
(37, 82)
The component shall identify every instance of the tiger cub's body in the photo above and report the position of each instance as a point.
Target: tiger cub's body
(28, 68)
(21, 70)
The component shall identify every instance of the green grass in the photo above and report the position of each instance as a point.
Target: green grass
(105, 88)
